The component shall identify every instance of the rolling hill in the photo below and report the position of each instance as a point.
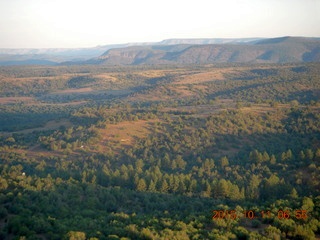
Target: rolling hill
(228, 151)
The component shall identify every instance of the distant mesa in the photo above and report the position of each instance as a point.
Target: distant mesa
(188, 51)
(175, 51)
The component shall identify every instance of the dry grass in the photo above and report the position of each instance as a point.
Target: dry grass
(182, 91)
(11, 100)
(153, 95)
(21, 80)
(262, 109)
(75, 103)
(204, 110)
(126, 133)
(258, 108)
(114, 77)
(207, 75)
(115, 137)
(200, 77)
(152, 73)
(106, 77)
(74, 90)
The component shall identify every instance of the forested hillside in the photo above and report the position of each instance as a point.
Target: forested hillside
(160, 152)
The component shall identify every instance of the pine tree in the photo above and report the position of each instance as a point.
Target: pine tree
(141, 185)
(252, 189)
(152, 186)
(224, 162)
(309, 154)
(222, 189)
(192, 186)
(182, 187)
(164, 186)
(180, 162)
(265, 156)
(207, 189)
(294, 193)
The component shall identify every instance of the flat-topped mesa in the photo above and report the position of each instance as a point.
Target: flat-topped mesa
(276, 50)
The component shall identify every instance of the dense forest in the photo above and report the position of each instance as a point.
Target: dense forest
(160, 152)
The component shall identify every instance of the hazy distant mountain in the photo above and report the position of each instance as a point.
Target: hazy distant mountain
(51, 56)
(276, 50)
(192, 51)
(208, 41)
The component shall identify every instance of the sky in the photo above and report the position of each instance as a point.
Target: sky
(89, 23)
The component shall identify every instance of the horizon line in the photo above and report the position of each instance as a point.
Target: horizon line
(157, 42)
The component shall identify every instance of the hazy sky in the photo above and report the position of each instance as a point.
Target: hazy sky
(88, 23)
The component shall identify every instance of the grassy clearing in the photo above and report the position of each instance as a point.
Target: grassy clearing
(13, 100)
(202, 77)
(125, 134)
(74, 90)
(210, 74)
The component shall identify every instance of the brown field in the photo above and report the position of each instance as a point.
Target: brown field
(182, 91)
(207, 75)
(262, 109)
(106, 77)
(204, 110)
(74, 90)
(200, 77)
(126, 133)
(114, 137)
(65, 104)
(11, 100)
(20, 80)
(159, 73)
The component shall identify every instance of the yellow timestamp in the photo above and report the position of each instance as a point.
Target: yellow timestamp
(251, 214)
